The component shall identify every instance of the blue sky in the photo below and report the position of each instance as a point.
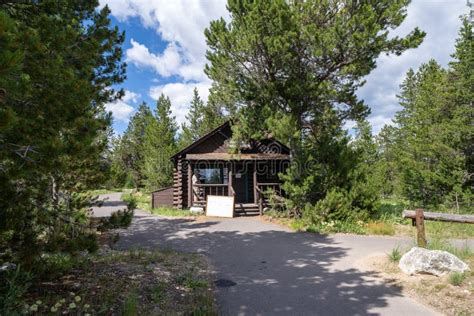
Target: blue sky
(165, 46)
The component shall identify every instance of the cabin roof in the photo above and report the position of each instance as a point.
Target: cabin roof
(226, 156)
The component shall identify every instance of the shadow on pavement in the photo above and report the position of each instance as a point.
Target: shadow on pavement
(269, 271)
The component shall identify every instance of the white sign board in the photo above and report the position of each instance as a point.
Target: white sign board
(220, 206)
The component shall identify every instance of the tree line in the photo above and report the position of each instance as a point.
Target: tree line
(140, 157)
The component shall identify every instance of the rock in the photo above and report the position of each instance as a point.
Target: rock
(437, 262)
(196, 209)
(7, 266)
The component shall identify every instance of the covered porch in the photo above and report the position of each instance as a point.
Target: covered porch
(245, 177)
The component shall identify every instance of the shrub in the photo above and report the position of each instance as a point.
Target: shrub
(395, 255)
(335, 206)
(456, 278)
(337, 227)
(121, 218)
(13, 285)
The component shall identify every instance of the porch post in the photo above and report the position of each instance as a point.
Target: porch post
(190, 185)
(255, 181)
(229, 183)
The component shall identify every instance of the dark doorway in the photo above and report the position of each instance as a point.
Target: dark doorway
(242, 184)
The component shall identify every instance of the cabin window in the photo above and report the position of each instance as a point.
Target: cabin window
(212, 175)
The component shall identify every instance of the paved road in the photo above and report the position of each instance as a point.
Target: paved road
(264, 269)
(112, 203)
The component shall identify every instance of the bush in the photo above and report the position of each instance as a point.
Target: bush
(337, 227)
(456, 278)
(118, 219)
(335, 206)
(13, 285)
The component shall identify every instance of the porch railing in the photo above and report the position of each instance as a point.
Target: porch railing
(203, 190)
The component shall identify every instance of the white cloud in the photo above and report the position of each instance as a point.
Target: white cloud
(181, 23)
(440, 20)
(180, 95)
(121, 109)
(165, 64)
(131, 96)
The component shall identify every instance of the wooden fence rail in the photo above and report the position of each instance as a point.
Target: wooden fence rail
(419, 216)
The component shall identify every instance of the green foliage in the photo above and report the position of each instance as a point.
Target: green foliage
(130, 306)
(290, 70)
(169, 211)
(457, 278)
(158, 146)
(128, 150)
(337, 227)
(395, 255)
(59, 62)
(13, 285)
(201, 119)
(121, 218)
(428, 154)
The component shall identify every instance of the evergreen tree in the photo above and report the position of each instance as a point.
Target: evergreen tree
(159, 145)
(386, 167)
(201, 119)
(131, 148)
(431, 160)
(59, 63)
(289, 68)
(192, 128)
(461, 100)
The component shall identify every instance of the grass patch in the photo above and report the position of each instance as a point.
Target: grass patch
(136, 282)
(143, 202)
(380, 228)
(130, 306)
(457, 278)
(141, 199)
(104, 191)
(169, 211)
(395, 255)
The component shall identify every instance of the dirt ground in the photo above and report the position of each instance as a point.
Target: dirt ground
(429, 290)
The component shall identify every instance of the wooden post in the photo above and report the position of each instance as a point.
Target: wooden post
(190, 185)
(420, 228)
(229, 182)
(255, 181)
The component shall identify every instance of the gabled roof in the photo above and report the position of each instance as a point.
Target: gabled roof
(212, 133)
(201, 140)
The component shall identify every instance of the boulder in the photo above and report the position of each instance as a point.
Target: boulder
(437, 262)
(196, 210)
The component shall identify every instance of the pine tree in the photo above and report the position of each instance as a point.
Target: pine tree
(201, 119)
(461, 100)
(288, 68)
(59, 64)
(132, 144)
(191, 129)
(159, 145)
(430, 161)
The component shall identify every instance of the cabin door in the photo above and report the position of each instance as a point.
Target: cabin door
(240, 184)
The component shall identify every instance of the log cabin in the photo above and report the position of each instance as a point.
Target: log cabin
(207, 167)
